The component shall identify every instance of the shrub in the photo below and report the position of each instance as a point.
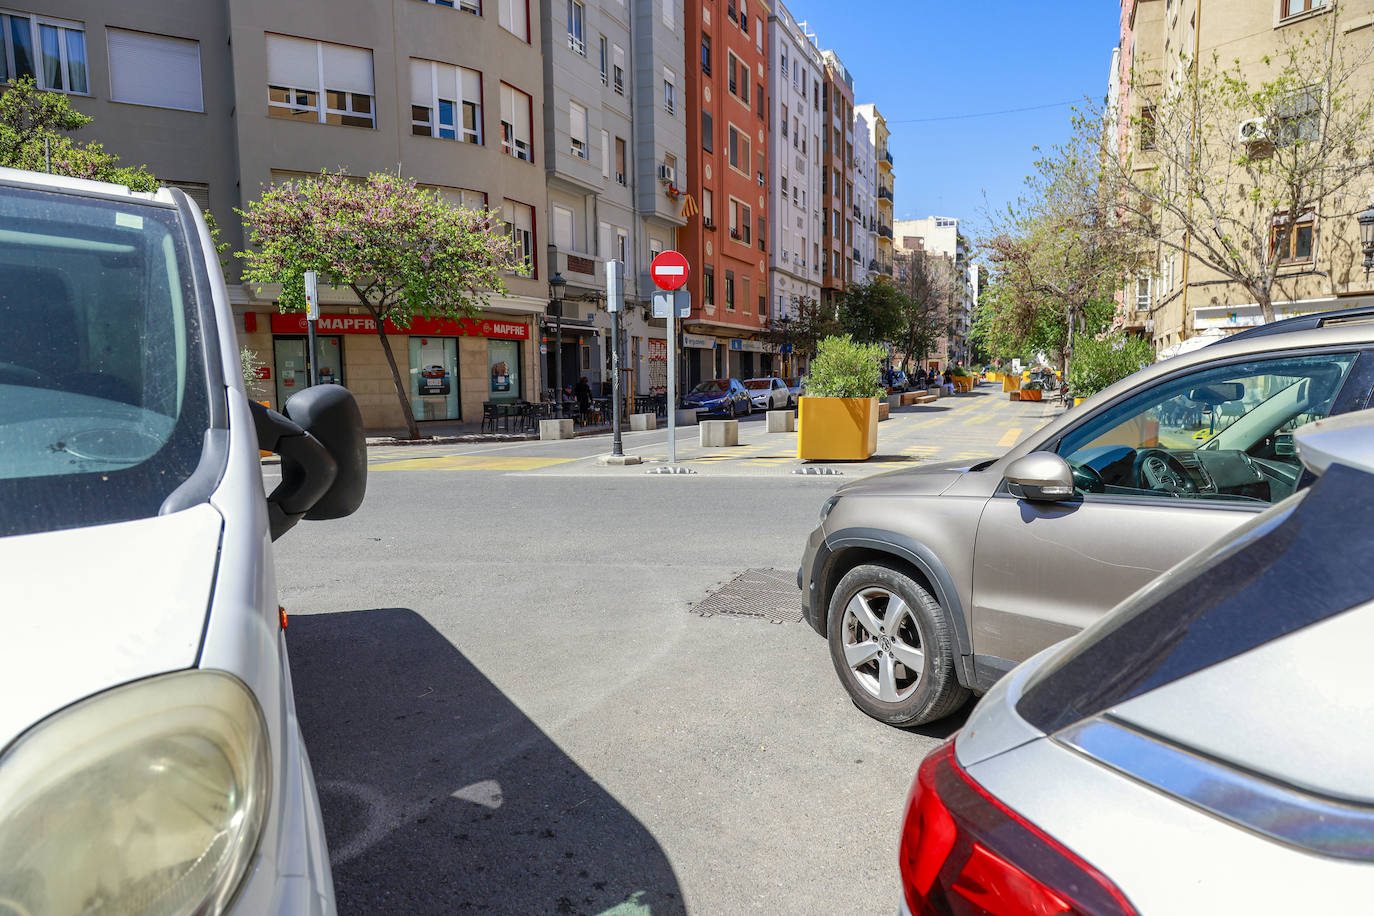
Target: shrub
(1100, 363)
(960, 370)
(845, 369)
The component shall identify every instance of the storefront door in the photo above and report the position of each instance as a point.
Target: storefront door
(290, 364)
(503, 370)
(434, 378)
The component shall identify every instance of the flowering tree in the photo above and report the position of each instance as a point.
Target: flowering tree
(403, 251)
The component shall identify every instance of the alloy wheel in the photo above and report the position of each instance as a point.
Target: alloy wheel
(882, 644)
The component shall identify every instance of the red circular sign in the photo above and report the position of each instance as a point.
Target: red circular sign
(669, 270)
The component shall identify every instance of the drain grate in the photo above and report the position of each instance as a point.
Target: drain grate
(760, 594)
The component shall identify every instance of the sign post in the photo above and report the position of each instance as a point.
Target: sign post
(615, 301)
(669, 272)
(312, 316)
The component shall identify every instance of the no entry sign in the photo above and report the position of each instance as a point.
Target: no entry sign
(669, 270)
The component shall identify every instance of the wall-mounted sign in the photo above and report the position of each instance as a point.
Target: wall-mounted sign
(294, 323)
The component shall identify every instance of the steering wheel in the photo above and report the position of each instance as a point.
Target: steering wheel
(15, 374)
(1157, 469)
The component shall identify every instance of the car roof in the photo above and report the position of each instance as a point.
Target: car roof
(1305, 322)
(84, 186)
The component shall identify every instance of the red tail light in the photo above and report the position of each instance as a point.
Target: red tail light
(964, 853)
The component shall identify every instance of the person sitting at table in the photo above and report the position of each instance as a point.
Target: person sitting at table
(583, 392)
(947, 381)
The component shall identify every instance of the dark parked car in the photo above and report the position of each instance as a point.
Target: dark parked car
(721, 397)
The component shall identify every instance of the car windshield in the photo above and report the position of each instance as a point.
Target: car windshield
(103, 400)
(759, 384)
(713, 386)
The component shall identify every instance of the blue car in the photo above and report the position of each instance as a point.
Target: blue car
(719, 397)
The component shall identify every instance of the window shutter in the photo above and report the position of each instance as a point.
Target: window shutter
(522, 116)
(421, 88)
(605, 154)
(154, 70)
(291, 62)
(348, 69)
(471, 85)
(618, 56)
(577, 121)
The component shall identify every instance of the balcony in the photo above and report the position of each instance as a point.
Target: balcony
(858, 259)
(858, 214)
(887, 157)
(885, 231)
(873, 264)
(885, 194)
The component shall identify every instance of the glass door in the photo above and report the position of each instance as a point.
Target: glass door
(434, 378)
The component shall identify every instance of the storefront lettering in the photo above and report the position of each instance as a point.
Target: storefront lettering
(435, 327)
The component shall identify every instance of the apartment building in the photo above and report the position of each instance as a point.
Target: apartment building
(224, 98)
(727, 173)
(615, 131)
(865, 253)
(886, 181)
(939, 236)
(837, 168)
(1319, 260)
(795, 184)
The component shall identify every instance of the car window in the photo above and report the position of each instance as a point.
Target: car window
(757, 384)
(712, 386)
(103, 398)
(1220, 433)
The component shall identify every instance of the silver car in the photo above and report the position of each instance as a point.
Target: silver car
(767, 393)
(1204, 748)
(150, 757)
(931, 583)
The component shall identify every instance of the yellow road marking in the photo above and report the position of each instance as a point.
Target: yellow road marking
(1009, 439)
(470, 463)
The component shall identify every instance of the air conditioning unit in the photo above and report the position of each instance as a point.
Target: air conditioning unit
(1255, 130)
(667, 173)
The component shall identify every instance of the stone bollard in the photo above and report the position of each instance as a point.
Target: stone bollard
(884, 410)
(639, 422)
(782, 421)
(686, 417)
(719, 433)
(555, 429)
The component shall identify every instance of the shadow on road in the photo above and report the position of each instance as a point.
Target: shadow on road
(440, 796)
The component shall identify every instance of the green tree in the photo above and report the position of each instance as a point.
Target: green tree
(871, 311)
(807, 323)
(404, 252)
(1103, 361)
(34, 129)
(844, 368)
(927, 284)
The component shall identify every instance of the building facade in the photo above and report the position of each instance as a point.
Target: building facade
(615, 131)
(837, 178)
(727, 174)
(865, 208)
(886, 181)
(795, 183)
(226, 98)
(939, 236)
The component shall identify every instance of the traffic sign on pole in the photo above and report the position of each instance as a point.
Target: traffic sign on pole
(615, 286)
(669, 270)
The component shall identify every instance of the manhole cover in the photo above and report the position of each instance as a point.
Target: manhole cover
(761, 594)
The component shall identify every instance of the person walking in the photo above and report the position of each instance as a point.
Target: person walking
(583, 393)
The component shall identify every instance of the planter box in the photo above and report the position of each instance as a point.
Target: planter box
(837, 429)
(782, 421)
(884, 410)
(1011, 383)
(962, 382)
(1014, 395)
(1030, 394)
(719, 433)
(640, 422)
(685, 417)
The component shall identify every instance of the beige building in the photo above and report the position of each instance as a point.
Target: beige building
(223, 98)
(939, 236)
(886, 181)
(1319, 266)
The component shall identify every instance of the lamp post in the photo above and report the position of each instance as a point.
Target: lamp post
(558, 288)
(1366, 221)
(786, 322)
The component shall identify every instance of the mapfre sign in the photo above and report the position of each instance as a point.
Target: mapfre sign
(295, 323)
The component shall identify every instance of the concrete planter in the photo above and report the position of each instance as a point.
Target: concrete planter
(686, 417)
(555, 429)
(884, 410)
(837, 429)
(782, 421)
(719, 433)
(640, 422)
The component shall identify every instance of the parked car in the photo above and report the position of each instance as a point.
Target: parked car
(795, 388)
(719, 397)
(151, 758)
(767, 393)
(1210, 729)
(933, 582)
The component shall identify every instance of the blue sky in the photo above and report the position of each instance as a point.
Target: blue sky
(918, 59)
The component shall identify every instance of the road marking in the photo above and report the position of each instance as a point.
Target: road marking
(470, 463)
(1008, 440)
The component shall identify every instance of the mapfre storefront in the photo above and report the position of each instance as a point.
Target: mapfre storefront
(450, 366)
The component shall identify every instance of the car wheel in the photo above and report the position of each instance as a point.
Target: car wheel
(893, 647)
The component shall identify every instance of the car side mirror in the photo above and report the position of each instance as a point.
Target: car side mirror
(1040, 477)
(323, 456)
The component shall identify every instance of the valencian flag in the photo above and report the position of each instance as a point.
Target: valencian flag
(689, 206)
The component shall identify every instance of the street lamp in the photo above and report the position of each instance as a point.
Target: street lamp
(558, 288)
(1366, 220)
(786, 322)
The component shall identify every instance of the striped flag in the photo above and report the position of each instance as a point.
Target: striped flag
(689, 206)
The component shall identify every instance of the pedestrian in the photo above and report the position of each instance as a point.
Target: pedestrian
(947, 382)
(583, 392)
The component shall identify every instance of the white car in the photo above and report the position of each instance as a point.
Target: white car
(150, 757)
(767, 393)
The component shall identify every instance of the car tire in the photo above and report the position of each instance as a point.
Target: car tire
(877, 669)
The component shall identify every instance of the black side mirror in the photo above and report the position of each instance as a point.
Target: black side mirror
(323, 456)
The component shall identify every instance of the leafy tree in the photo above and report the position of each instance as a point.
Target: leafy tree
(806, 325)
(1103, 361)
(927, 284)
(1196, 187)
(845, 368)
(34, 128)
(403, 251)
(871, 311)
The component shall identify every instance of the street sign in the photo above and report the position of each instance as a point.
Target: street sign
(669, 270)
(665, 301)
(312, 299)
(615, 286)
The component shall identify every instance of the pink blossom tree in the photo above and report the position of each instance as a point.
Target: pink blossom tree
(403, 251)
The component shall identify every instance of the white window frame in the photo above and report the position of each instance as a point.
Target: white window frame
(506, 18)
(36, 24)
(321, 92)
(605, 154)
(577, 27)
(562, 215)
(458, 130)
(577, 145)
(618, 69)
(467, 6)
(523, 238)
(511, 145)
(669, 92)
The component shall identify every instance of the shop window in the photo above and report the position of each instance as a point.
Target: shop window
(503, 370)
(434, 378)
(290, 366)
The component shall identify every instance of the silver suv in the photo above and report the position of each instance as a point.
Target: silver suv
(931, 583)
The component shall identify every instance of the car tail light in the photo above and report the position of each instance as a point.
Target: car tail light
(964, 853)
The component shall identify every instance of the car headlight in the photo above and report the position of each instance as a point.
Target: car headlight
(827, 506)
(148, 798)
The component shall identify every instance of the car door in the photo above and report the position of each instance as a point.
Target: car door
(1044, 570)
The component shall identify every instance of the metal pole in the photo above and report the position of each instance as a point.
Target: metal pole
(311, 371)
(617, 450)
(558, 359)
(672, 383)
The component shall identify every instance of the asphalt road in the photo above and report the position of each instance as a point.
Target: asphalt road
(510, 707)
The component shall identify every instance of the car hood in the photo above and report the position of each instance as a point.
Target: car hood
(926, 480)
(87, 609)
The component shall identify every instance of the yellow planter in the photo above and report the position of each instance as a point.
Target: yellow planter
(1011, 383)
(837, 429)
(962, 382)
(1077, 401)
(1030, 394)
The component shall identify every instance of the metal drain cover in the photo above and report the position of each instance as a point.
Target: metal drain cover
(760, 594)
